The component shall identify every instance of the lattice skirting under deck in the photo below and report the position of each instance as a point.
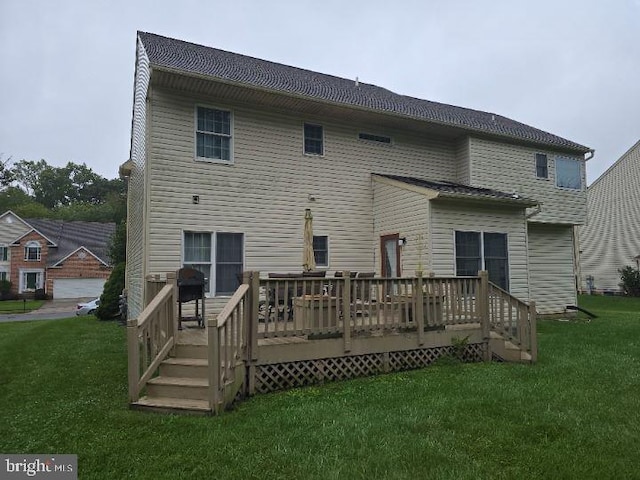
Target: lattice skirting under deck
(282, 376)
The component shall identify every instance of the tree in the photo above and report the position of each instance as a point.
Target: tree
(109, 300)
(6, 175)
(118, 245)
(630, 281)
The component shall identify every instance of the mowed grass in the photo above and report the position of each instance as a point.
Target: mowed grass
(19, 306)
(575, 414)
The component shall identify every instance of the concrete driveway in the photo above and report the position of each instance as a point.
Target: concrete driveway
(50, 310)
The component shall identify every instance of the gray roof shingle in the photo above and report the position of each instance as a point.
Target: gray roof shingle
(69, 236)
(232, 67)
(459, 190)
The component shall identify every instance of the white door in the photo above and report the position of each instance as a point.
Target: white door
(77, 287)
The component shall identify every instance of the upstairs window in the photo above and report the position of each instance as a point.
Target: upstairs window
(568, 173)
(374, 138)
(321, 250)
(32, 251)
(4, 253)
(213, 134)
(542, 166)
(313, 139)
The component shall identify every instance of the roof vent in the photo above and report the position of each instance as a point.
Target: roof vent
(357, 82)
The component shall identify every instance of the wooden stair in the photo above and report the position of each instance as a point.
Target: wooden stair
(507, 350)
(181, 386)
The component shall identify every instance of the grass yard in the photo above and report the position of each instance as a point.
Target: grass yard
(19, 306)
(575, 414)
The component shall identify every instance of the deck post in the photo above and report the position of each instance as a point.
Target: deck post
(346, 310)
(213, 354)
(533, 331)
(172, 321)
(252, 311)
(133, 350)
(419, 307)
(483, 309)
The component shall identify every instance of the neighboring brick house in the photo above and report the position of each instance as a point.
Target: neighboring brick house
(66, 259)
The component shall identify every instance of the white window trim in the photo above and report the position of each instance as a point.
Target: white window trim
(6, 247)
(311, 124)
(24, 271)
(32, 244)
(6, 274)
(535, 166)
(325, 267)
(230, 136)
(483, 265)
(212, 261)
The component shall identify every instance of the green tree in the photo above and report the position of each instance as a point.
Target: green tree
(109, 300)
(118, 245)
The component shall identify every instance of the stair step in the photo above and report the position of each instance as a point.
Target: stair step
(184, 367)
(178, 387)
(172, 405)
(184, 350)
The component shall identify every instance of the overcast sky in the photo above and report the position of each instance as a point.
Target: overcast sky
(568, 67)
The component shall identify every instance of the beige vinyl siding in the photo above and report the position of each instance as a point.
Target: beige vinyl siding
(396, 210)
(11, 228)
(552, 276)
(463, 164)
(446, 218)
(136, 227)
(611, 238)
(265, 192)
(511, 168)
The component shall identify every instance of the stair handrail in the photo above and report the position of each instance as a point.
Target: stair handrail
(227, 343)
(151, 336)
(517, 322)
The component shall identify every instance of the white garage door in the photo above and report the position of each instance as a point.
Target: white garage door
(77, 287)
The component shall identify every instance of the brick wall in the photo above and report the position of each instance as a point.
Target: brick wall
(81, 264)
(18, 261)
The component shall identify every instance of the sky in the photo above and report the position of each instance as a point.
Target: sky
(570, 67)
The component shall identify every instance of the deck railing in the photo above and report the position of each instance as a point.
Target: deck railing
(151, 336)
(316, 306)
(514, 319)
(227, 339)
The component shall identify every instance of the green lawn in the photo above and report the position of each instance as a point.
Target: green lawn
(19, 306)
(575, 414)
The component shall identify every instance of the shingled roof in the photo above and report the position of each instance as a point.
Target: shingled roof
(69, 236)
(460, 191)
(190, 58)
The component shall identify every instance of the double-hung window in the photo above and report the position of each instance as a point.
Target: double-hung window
(476, 251)
(321, 250)
(3, 275)
(32, 251)
(568, 173)
(313, 139)
(542, 166)
(213, 134)
(219, 256)
(4, 253)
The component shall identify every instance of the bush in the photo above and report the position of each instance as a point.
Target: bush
(630, 281)
(109, 300)
(5, 290)
(39, 294)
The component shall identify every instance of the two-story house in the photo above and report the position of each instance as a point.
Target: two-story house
(66, 259)
(228, 151)
(611, 239)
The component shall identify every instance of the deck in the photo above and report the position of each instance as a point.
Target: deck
(277, 334)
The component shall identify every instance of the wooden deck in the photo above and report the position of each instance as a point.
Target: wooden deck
(273, 335)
